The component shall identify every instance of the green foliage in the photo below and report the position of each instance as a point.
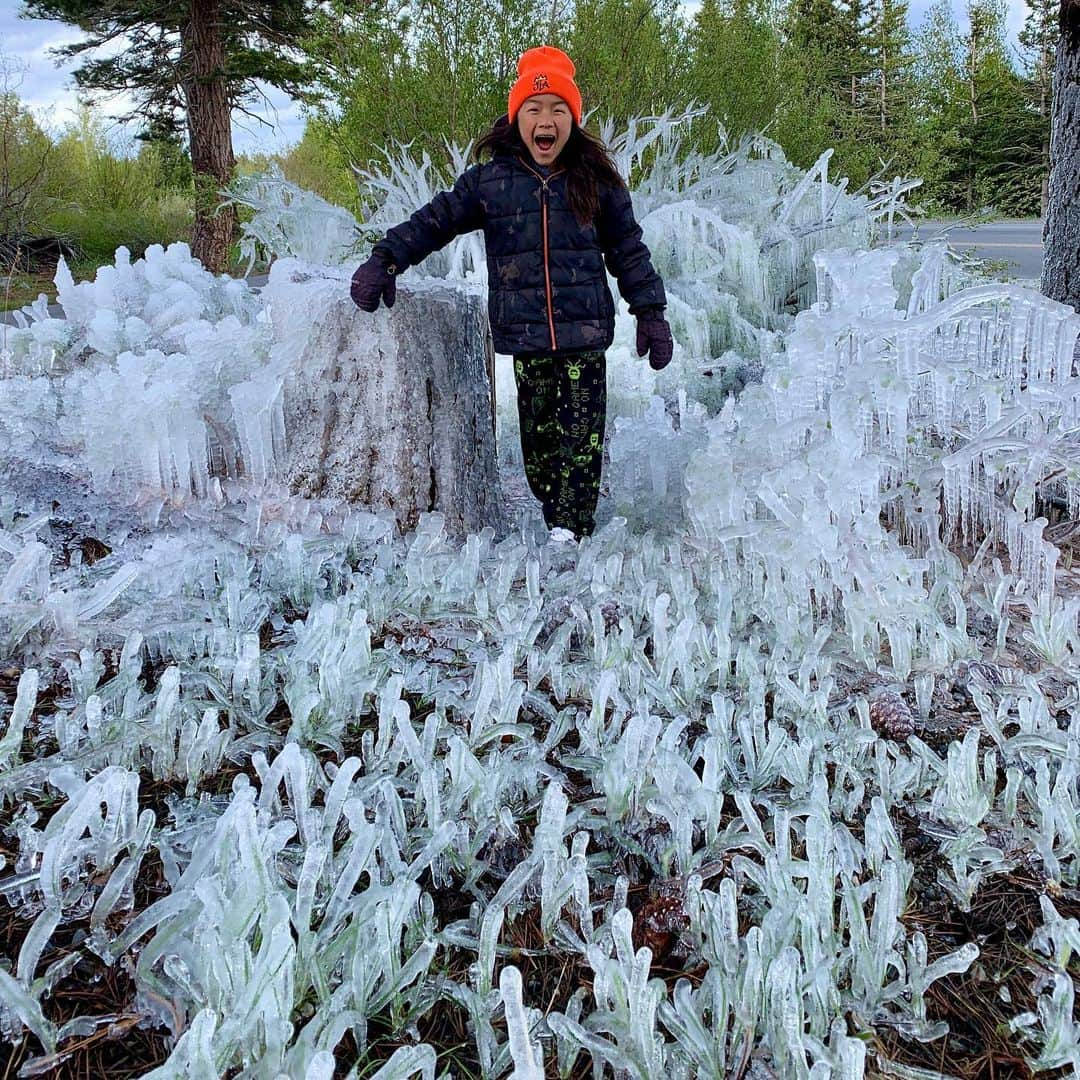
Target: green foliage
(890, 86)
(846, 74)
(981, 137)
(630, 57)
(1038, 43)
(97, 231)
(309, 164)
(811, 116)
(945, 103)
(847, 71)
(441, 71)
(173, 162)
(423, 73)
(99, 194)
(25, 163)
(735, 65)
(97, 191)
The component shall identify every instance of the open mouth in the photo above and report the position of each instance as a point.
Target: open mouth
(545, 142)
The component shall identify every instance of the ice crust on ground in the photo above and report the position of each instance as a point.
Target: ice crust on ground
(346, 727)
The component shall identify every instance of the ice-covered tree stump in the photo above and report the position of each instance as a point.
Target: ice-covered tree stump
(391, 410)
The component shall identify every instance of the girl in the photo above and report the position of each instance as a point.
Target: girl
(554, 210)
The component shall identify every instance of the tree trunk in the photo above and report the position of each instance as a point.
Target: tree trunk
(210, 133)
(1061, 231)
(1046, 65)
(973, 101)
(883, 90)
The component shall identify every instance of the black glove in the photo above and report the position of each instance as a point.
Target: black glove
(654, 338)
(374, 281)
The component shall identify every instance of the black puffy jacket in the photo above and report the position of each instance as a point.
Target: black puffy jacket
(547, 290)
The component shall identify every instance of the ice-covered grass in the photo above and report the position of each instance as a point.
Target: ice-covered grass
(779, 774)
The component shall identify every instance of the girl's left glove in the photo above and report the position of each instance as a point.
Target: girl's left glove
(654, 338)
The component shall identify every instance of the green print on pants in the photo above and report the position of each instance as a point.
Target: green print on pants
(562, 402)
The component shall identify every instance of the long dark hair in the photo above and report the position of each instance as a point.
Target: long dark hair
(585, 158)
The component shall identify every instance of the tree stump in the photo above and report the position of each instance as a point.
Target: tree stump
(391, 410)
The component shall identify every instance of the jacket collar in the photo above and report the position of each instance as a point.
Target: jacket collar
(539, 175)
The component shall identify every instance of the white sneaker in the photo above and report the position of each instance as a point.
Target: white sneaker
(561, 536)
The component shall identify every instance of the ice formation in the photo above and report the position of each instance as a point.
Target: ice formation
(383, 776)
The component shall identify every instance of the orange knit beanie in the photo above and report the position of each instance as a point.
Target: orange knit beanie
(545, 70)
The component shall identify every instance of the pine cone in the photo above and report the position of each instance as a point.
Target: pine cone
(658, 924)
(890, 716)
(610, 611)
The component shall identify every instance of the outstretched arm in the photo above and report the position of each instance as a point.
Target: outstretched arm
(433, 226)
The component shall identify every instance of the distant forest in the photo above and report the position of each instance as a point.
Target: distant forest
(961, 108)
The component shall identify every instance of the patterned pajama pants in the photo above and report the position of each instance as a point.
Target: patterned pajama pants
(562, 401)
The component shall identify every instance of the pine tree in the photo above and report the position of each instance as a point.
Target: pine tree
(161, 137)
(194, 59)
(629, 55)
(854, 53)
(734, 64)
(889, 51)
(819, 30)
(823, 70)
(938, 103)
(1002, 163)
(847, 66)
(974, 117)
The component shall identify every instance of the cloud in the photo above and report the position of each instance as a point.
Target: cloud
(281, 112)
(49, 93)
(31, 71)
(45, 87)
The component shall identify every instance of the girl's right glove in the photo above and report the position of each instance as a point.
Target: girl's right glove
(654, 338)
(372, 282)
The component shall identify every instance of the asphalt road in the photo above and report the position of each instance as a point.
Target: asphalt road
(1016, 244)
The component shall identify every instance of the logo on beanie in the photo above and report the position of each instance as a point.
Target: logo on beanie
(540, 83)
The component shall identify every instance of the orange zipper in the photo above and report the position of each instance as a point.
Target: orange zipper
(544, 227)
(547, 271)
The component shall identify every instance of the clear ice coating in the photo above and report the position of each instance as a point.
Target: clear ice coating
(388, 757)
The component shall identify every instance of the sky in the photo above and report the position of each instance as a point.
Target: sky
(49, 91)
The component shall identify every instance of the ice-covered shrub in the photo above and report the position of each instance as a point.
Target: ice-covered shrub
(142, 376)
(291, 222)
(1054, 1025)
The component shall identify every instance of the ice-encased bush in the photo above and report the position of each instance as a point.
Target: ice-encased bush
(141, 375)
(293, 223)
(404, 777)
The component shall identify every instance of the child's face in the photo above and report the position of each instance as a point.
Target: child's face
(544, 123)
